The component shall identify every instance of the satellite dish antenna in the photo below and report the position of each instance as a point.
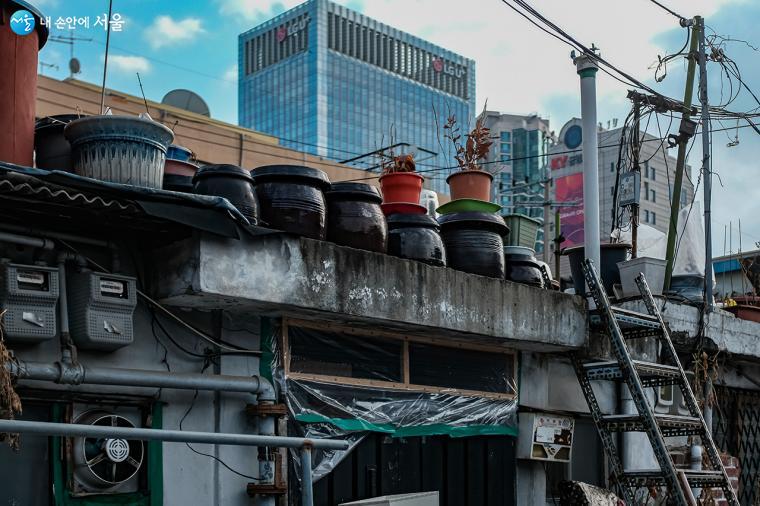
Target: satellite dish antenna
(74, 66)
(187, 100)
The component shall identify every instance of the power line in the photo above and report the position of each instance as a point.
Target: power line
(667, 9)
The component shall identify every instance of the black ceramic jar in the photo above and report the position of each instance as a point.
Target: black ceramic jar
(52, 150)
(416, 237)
(230, 182)
(474, 242)
(354, 217)
(521, 266)
(291, 199)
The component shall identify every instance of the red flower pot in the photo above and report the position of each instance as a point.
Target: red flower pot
(470, 184)
(401, 187)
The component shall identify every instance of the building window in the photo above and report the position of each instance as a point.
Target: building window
(646, 216)
(612, 166)
(646, 191)
(612, 190)
(506, 136)
(346, 356)
(653, 218)
(505, 158)
(506, 148)
(652, 174)
(654, 196)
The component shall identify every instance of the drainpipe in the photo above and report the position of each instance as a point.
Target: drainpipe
(307, 492)
(171, 436)
(22, 240)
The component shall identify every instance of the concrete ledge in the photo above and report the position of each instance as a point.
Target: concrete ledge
(730, 334)
(282, 275)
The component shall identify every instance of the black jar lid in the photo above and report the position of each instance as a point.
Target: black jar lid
(354, 190)
(223, 169)
(274, 172)
(477, 219)
(411, 220)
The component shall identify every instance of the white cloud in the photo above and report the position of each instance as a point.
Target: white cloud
(166, 31)
(130, 64)
(231, 74)
(251, 10)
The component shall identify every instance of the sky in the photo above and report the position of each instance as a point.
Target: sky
(193, 44)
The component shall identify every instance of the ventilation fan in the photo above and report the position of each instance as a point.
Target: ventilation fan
(105, 464)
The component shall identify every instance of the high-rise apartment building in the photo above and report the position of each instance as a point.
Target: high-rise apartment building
(519, 164)
(332, 82)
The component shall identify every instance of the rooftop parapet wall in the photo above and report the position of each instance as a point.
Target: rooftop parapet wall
(729, 334)
(282, 275)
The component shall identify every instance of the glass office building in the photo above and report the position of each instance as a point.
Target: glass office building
(332, 82)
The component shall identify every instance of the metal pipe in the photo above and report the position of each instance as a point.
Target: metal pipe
(171, 436)
(307, 492)
(78, 374)
(587, 69)
(34, 242)
(41, 234)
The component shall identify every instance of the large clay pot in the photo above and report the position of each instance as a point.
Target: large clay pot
(470, 184)
(354, 217)
(230, 182)
(51, 148)
(18, 84)
(522, 267)
(416, 237)
(474, 242)
(291, 199)
(400, 187)
(609, 256)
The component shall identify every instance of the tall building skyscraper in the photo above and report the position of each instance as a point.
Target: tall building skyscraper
(519, 165)
(332, 82)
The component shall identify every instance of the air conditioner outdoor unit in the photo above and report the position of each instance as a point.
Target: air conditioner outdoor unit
(545, 436)
(415, 499)
(28, 295)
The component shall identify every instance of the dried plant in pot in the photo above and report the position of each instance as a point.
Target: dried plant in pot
(399, 182)
(471, 182)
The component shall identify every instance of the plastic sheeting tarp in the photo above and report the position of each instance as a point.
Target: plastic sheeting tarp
(328, 409)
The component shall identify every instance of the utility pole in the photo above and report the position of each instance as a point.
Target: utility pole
(587, 69)
(675, 203)
(636, 168)
(706, 163)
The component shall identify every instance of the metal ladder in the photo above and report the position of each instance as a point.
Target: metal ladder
(621, 325)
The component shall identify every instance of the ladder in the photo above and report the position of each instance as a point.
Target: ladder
(622, 325)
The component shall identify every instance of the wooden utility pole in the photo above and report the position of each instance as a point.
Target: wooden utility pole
(675, 203)
(706, 164)
(636, 168)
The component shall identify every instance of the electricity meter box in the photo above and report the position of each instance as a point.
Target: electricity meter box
(545, 436)
(101, 309)
(28, 295)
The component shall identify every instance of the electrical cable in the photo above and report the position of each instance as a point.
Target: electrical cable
(187, 412)
(667, 9)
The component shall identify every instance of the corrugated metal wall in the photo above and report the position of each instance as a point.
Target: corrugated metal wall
(477, 471)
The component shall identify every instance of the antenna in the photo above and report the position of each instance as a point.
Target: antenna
(142, 92)
(105, 63)
(74, 65)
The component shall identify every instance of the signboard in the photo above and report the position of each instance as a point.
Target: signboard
(439, 65)
(288, 30)
(569, 160)
(570, 189)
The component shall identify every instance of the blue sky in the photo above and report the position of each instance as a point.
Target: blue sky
(193, 44)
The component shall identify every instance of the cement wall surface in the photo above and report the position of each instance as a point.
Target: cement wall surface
(284, 275)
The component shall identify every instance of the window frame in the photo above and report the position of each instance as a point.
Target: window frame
(510, 357)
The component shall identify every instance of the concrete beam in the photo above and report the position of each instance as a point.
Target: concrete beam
(282, 275)
(728, 333)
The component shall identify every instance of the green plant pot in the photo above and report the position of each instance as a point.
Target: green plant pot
(523, 230)
(462, 205)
